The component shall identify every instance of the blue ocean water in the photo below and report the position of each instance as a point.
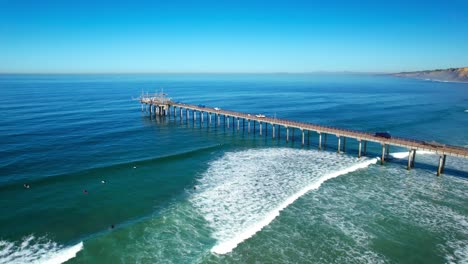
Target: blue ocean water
(257, 199)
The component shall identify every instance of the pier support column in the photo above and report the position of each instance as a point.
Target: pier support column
(248, 126)
(359, 149)
(365, 147)
(150, 110)
(194, 116)
(233, 125)
(142, 108)
(443, 164)
(388, 151)
(410, 158)
(254, 129)
(209, 119)
(302, 137)
(439, 168)
(344, 144)
(238, 124)
(292, 138)
(187, 115)
(219, 119)
(272, 131)
(320, 141)
(201, 116)
(228, 121)
(413, 159)
(279, 132)
(325, 141)
(382, 159)
(260, 126)
(339, 144)
(308, 137)
(287, 134)
(243, 125)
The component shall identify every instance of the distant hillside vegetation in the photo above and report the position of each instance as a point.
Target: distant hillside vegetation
(451, 75)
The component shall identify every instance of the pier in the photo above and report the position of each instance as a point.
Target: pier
(158, 104)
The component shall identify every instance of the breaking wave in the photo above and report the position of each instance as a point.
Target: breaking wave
(36, 250)
(244, 191)
(402, 155)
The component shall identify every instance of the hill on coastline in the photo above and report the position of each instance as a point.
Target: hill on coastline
(451, 75)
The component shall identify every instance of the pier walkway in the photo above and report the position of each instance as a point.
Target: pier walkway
(161, 106)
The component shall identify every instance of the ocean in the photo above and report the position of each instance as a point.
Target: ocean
(110, 184)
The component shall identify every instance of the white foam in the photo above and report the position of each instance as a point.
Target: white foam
(402, 155)
(36, 250)
(242, 192)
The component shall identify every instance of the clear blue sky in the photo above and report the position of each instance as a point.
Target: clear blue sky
(231, 36)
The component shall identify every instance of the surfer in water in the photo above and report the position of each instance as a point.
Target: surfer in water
(26, 186)
(85, 191)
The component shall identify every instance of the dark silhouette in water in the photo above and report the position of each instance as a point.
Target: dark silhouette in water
(26, 186)
(85, 191)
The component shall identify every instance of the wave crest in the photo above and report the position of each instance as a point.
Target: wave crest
(36, 250)
(244, 191)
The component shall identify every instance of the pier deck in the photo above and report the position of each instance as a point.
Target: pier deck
(163, 106)
(355, 134)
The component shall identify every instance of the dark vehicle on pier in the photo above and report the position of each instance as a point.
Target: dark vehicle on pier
(383, 135)
(201, 106)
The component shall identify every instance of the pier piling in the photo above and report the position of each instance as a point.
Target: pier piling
(443, 164)
(439, 168)
(382, 159)
(320, 141)
(359, 148)
(302, 131)
(339, 143)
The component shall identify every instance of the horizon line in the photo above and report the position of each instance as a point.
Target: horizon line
(192, 72)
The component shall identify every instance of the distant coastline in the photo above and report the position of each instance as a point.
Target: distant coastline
(439, 75)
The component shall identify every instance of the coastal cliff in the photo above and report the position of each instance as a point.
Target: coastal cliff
(451, 75)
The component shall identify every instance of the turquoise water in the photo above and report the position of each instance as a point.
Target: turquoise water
(256, 199)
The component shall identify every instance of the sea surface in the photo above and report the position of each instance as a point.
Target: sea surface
(179, 192)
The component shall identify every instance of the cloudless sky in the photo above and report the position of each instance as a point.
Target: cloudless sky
(83, 36)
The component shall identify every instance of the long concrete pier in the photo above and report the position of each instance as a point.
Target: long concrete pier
(161, 106)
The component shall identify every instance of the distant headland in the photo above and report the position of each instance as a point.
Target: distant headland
(446, 75)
